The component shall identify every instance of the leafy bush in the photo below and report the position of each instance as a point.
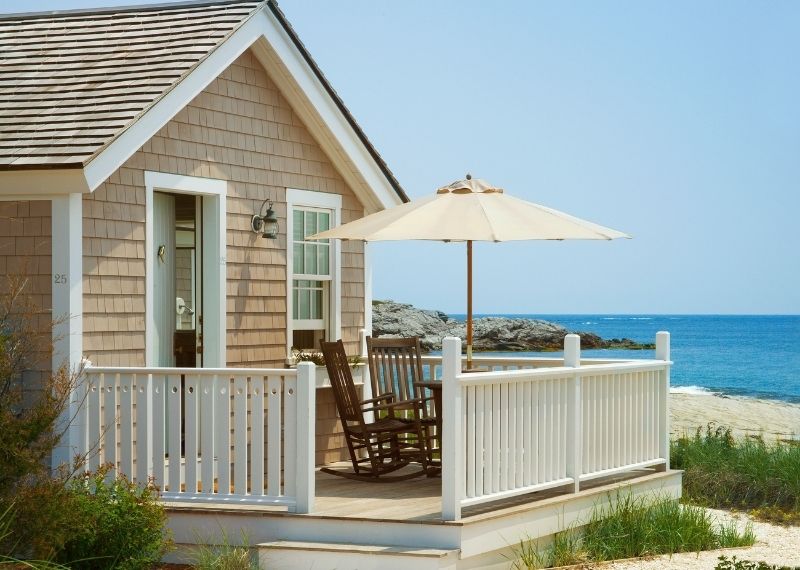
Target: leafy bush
(723, 472)
(30, 427)
(117, 524)
(82, 521)
(632, 528)
(734, 564)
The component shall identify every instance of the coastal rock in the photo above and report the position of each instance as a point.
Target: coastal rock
(503, 334)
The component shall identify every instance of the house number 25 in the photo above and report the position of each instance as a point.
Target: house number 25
(59, 278)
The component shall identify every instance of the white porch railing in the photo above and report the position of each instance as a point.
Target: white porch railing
(511, 432)
(233, 435)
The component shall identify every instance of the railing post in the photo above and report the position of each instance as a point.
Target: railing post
(662, 353)
(452, 460)
(572, 358)
(306, 436)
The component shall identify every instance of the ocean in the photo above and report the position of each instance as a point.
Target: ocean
(743, 355)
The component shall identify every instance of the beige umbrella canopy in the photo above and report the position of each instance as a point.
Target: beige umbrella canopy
(469, 210)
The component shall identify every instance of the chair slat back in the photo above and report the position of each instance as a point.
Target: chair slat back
(348, 403)
(395, 365)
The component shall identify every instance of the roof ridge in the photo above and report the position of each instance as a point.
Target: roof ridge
(123, 9)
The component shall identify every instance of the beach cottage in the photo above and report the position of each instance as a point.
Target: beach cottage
(160, 169)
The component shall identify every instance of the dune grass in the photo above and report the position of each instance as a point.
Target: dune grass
(634, 527)
(750, 474)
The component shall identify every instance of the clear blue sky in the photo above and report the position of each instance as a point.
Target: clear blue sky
(678, 123)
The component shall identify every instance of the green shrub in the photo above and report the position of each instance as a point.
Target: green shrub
(30, 427)
(723, 472)
(225, 556)
(116, 524)
(734, 564)
(632, 528)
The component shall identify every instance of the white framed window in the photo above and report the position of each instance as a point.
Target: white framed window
(313, 269)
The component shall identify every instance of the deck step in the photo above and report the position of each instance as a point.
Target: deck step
(291, 555)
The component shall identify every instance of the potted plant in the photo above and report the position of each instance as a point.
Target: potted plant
(357, 365)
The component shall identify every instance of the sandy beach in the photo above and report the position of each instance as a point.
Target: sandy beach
(773, 419)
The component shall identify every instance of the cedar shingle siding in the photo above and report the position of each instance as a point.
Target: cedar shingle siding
(242, 130)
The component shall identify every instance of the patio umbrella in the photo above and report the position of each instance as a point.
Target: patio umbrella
(469, 210)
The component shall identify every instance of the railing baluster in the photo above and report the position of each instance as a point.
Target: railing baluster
(159, 433)
(505, 429)
(94, 421)
(222, 433)
(528, 434)
(274, 435)
(289, 434)
(496, 427)
(110, 437)
(144, 428)
(206, 392)
(240, 434)
(480, 434)
(126, 424)
(190, 395)
(257, 442)
(174, 397)
(519, 444)
(471, 438)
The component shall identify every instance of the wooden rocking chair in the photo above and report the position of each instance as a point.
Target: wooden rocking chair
(389, 442)
(395, 366)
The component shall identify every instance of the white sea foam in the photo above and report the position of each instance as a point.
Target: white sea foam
(693, 390)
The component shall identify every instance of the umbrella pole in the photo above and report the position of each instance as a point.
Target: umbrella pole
(469, 304)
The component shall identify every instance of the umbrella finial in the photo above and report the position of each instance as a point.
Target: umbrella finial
(469, 176)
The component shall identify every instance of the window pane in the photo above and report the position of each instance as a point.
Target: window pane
(305, 304)
(324, 254)
(323, 221)
(310, 266)
(298, 258)
(318, 305)
(295, 309)
(297, 230)
(311, 223)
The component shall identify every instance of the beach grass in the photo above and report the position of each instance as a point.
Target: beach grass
(635, 527)
(748, 473)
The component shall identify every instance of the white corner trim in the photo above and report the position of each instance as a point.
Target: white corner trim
(67, 314)
(214, 260)
(311, 199)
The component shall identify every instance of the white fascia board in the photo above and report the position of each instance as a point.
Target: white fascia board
(115, 154)
(309, 99)
(41, 183)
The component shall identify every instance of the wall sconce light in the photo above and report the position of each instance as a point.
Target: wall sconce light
(265, 224)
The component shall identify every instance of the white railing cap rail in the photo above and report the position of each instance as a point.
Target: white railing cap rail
(513, 360)
(560, 372)
(197, 371)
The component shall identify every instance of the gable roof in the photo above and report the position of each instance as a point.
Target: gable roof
(72, 83)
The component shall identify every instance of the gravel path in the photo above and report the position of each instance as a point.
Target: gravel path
(774, 545)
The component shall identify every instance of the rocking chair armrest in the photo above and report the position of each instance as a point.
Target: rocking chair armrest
(405, 403)
(388, 396)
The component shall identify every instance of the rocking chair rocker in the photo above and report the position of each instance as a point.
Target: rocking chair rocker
(389, 442)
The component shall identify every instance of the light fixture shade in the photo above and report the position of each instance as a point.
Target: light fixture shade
(270, 224)
(265, 224)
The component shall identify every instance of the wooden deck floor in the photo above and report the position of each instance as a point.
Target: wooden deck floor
(419, 500)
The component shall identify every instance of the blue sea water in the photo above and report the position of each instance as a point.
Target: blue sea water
(745, 355)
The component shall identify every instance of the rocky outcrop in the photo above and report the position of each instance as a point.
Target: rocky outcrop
(490, 333)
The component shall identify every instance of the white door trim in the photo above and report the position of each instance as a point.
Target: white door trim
(214, 238)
